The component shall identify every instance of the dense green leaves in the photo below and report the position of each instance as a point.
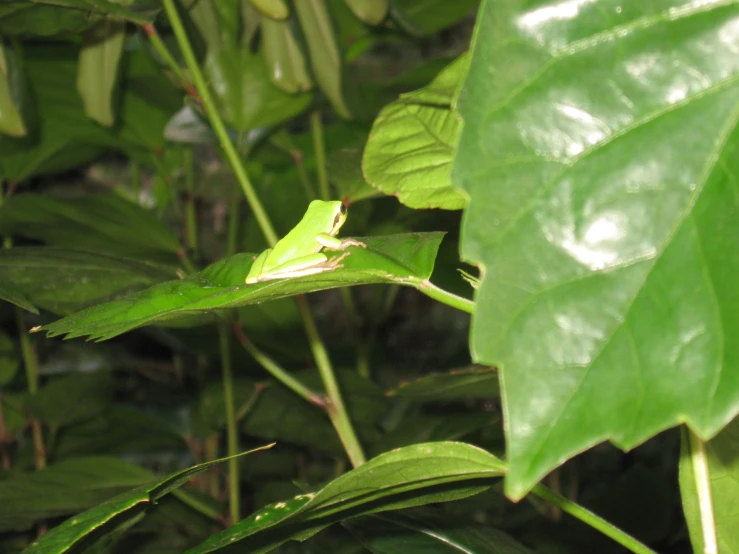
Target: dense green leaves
(432, 533)
(78, 533)
(436, 471)
(599, 153)
(457, 384)
(410, 149)
(101, 222)
(246, 97)
(64, 488)
(63, 281)
(401, 259)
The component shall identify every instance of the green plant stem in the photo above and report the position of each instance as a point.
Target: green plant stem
(276, 371)
(317, 130)
(232, 437)
(160, 47)
(336, 409)
(247, 406)
(445, 297)
(594, 521)
(233, 221)
(218, 126)
(699, 461)
(191, 230)
(29, 361)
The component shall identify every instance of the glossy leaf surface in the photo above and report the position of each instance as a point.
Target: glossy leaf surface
(722, 454)
(599, 153)
(378, 485)
(401, 259)
(411, 146)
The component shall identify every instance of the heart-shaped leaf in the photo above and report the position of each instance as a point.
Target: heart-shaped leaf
(599, 153)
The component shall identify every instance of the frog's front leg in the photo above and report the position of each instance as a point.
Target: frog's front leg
(332, 243)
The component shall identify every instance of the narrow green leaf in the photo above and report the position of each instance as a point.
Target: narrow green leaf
(402, 259)
(411, 146)
(11, 94)
(246, 97)
(97, 72)
(325, 57)
(426, 531)
(10, 293)
(721, 455)
(603, 210)
(475, 382)
(283, 56)
(372, 12)
(78, 533)
(63, 281)
(104, 222)
(383, 483)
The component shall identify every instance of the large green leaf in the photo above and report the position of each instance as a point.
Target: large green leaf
(400, 259)
(63, 281)
(105, 222)
(430, 533)
(80, 532)
(721, 455)
(410, 476)
(599, 153)
(411, 146)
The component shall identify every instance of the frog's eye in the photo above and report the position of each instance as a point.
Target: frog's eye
(341, 216)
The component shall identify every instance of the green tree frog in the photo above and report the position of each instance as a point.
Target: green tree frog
(299, 252)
